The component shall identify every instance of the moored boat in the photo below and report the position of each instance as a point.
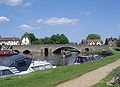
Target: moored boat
(7, 51)
(21, 64)
(4, 53)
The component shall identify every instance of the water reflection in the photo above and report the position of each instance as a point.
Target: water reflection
(56, 59)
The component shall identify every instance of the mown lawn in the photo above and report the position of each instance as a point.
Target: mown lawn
(53, 77)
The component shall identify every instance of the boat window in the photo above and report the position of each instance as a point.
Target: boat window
(47, 66)
(22, 63)
(38, 68)
(5, 72)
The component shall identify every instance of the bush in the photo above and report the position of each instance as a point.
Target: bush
(117, 49)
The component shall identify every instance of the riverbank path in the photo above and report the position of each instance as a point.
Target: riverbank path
(92, 77)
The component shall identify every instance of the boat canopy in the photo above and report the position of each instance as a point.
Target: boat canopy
(21, 62)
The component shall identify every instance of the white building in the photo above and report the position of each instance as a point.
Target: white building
(92, 42)
(9, 41)
(25, 41)
(15, 41)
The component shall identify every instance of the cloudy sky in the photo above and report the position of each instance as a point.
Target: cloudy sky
(74, 18)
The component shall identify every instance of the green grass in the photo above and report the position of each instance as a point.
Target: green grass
(53, 77)
(99, 50)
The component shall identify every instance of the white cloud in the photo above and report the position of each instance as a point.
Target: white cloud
(85, 13)
(58, 21)
(26, 27)
(4, 19)
(27, 4)
(39, 21)
(11, 2)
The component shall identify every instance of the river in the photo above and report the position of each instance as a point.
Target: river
(56, 59)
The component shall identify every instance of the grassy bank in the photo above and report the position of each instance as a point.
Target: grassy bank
(103, 83)
(52, 77)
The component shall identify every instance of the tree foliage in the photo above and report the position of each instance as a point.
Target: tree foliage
(54, 39)
(93, 36)
(45, 40)
(118, 42)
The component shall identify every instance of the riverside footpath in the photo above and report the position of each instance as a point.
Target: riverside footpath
(91, 78)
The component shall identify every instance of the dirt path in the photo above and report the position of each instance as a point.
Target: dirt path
(92, 77)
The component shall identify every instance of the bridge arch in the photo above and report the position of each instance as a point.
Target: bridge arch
(57, 48)
(27, 52)
(87, 49)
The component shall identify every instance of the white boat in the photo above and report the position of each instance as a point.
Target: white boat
(19, 64)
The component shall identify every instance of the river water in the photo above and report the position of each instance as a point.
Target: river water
(56, 59)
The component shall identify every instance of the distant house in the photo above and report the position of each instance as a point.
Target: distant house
(111, 41)
(92, 42)
(25, 41)
(9, 41)
(15, 41)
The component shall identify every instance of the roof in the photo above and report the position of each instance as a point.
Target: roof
(8, 61)
(111, 38)
(9, 39)
(93, 40)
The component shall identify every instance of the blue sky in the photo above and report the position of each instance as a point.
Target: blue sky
(74, 18)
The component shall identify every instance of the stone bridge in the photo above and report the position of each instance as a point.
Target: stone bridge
(51, 48)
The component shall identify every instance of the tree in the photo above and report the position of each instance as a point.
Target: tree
(106, 42)
(32, 37)
(64, 39)
(93, 36)
(54, 39)
(45, 40)
(59, 39)
(118, 42)
(25, 34)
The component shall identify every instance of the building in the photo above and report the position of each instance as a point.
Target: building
(25, 41)
(9, 41)
(15, 41)
(92, 42)
(111, 41)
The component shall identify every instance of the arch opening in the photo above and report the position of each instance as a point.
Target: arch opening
(46, 51)
(17, 51)
(87, 49)
(27, 52)
(65, 49)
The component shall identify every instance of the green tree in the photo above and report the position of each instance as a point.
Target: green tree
(54, 39)
(64, 39)
(59, 39)
(118, 42)
(41, 41)
(93, 36)
(25, 34)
